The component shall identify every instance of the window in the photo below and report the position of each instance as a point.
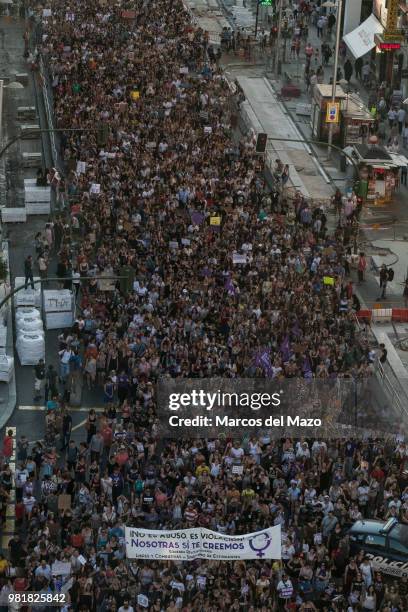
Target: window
(398, 547)
(359, 537)
(375, 541)
(400, 533)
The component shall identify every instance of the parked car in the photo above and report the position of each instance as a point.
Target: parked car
(384, 543)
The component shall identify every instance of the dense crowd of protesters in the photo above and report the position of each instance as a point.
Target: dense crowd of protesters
(169, 203)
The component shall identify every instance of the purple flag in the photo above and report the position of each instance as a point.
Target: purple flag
(262, 359)
(196, 217)
(307, 368)
(229, 286)
(296, 331)
(285, 349)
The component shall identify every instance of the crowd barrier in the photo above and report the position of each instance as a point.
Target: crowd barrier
(384, 315)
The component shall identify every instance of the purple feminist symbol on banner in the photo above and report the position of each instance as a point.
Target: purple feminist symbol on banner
(259, 543)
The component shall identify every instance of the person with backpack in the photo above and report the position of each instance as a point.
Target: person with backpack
(51, 383)
(39, 377)
(383, 281)
(28, 272)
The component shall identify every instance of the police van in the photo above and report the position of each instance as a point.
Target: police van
(385, 544)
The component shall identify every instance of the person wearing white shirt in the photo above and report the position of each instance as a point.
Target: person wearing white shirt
(366, 572)
(287, 551)
(237, 453)
(285, 588)
(302, 451)
(392, 117)
(327, 505)
(126, 607)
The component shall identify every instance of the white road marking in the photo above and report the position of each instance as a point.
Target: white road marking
(81, 424)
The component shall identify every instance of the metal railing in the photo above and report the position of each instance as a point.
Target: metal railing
(396, 394)
(393, 389)
(48, 110)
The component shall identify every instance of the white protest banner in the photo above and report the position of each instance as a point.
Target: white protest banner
(237, 258)
(61, 568)
(237, 469)
(142, 600)
(95, 188)
(57, 300)
(81, 167)
(201, 582)
(200, 543)
(177, 585)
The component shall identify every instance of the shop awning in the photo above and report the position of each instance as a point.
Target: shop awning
(361, 40)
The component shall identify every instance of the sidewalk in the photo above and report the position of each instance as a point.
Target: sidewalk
(19, 236)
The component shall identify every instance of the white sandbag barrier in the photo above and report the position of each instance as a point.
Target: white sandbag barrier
(37, 199)
(14, 215)
(30, 347)
(29, 296)
(6, 368)
(29, 324)
(58, 306)
(30, 335)
(27, 311)
(57, 320)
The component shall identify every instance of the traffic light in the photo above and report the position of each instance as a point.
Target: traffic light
(102, 136)
(261, 141)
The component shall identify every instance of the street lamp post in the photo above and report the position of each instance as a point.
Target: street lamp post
(336, 63)
(278, 40)
(258, 4)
